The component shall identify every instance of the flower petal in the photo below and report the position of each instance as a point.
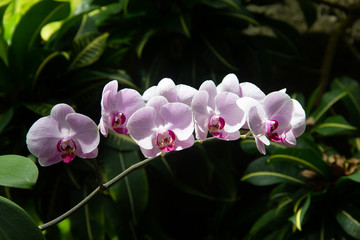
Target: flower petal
(256, 121)
(232, 136)
(248, 89)
(185, 93)
(84, 131)
(210, 87)
(167, 88)
(42, 137)
(59, 113)
(227, 108)
(103, 127)
(179, 119)
(153, 152)
(298, 119)
(157, 103)
(111, 86)
(149, 93)
(260, 146)
(51, 160)
(200, 113)
(179, 145)
(129, 100)
(92, 154)
(141, 127)
(278, 106)
(230, 83)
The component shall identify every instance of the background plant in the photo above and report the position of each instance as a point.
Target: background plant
(197, 192)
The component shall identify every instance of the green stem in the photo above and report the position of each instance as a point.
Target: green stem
(104, 187)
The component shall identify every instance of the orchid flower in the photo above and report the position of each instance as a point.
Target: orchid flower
(230, 83)
(117, 107)
(62, 136)
(269, 120)
(173, 93)
(161, 126)
(297, 122)
(217, 114)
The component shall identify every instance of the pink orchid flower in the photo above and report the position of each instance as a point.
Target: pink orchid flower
(217, 114)
(173, 93)
(230, 83)
(117, 107)
(298, 124)
(161, 126)
(62, 136)
(269, 120)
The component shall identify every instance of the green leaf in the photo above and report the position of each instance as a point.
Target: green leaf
(17, 171)
(262, 173)
(27, 33)
(120, 76)
(16, 224)
(89, 53)
(348, 223)
(298, 218)
(132, 191)
(144, 40)
(5, 118)
(334, 125)
(121, 142)
(352, 100)
(3, 44)
(305, 157)
(327, 101)
(49, 58)
(353, 177)
(42, 109)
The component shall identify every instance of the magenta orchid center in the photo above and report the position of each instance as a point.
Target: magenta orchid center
(165, 139)
(216, 124)
(117, 123)
(66, 146)
(271, 126)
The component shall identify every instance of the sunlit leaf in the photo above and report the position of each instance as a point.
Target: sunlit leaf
(90, 53)
(16, 224)
(27, 33)
(17, 171)
(298, 218)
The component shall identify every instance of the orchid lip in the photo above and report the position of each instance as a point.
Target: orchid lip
(215, 126)
(271, 126)
(117, 123)
(165, 139)
(67, 147)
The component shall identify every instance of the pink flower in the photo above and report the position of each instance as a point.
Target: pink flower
(117, 107)
(269, 120)
(217, 114)
(62, 136)
(230, 83)
(173, 93)
(162, 126)
(298, 124)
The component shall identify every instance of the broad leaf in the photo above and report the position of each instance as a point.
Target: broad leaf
(349, 223)
(17, 171)
(334, 125)
(327, 101)
(42, 109)
(121, 142)
(132, 191)
(27, 33)
(90, 51)
(16, 224)
(262, 173)
(3, 44)
(305, 157)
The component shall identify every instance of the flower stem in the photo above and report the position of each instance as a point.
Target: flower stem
(102, 187)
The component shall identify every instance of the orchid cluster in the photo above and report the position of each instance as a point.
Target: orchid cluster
(168, 117)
